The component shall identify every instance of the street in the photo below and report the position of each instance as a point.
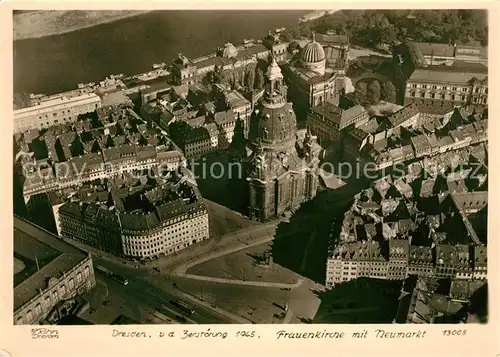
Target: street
(142, 299)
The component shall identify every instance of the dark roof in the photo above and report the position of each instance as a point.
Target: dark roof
(331, 39)
(56, 258)
(435, 49)
(459, 73)
(403, 114)
(336, 115)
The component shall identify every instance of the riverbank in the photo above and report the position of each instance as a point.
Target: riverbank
(39, 24)
(53, 64)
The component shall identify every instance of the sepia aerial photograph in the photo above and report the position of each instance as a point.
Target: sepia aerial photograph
(250, 167)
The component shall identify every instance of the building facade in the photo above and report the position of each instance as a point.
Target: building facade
(56, 283)
(147, 224)
(55, 111)
(326, 121)
(282, 172)
(313, 78)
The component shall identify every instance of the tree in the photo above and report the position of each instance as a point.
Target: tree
(373, 92)
(250, 77)
(360, 91)
(388, 92)
(208, 78)
(259, 79)
(287, 36)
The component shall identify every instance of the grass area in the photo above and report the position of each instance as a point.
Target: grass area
(222, 220)
(364, 300)
(243, 265)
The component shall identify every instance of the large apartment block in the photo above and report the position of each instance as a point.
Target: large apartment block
(138, 223)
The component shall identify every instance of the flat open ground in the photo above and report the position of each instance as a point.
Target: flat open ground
(255, 303)
(242, 265)
(222, 220)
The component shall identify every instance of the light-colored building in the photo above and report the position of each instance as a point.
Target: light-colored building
(440, 84)
(55, 111)
(281, 168)
(94, 166)
(60, 274)
(443, 53)
(276, 45)
(326, 120)
(314, 78)
(165, 219)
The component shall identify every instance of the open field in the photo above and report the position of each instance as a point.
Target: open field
(243, 266)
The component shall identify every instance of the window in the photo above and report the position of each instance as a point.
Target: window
(19, 320)
(29, 315)
(47, 301)
(78, 278)
(422, 95)
(38, 309)
(55, 295)
(71, 284)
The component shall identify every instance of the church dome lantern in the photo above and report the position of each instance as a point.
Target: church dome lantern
(273, 121)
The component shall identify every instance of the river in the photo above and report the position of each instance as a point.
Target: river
(56, 63)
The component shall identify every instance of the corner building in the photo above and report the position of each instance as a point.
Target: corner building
(146, 224)
(282, 170)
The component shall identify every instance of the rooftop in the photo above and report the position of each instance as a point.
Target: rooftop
(460, 73)
(336, 115)
(435, 49)
(54, 256)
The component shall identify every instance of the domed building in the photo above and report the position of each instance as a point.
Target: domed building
(281, 169)
(313, 57)
(316, 75)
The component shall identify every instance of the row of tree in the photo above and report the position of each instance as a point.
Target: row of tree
(371, 93)
(251, 77)
(375, 27)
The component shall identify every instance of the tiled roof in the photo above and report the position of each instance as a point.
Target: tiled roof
(435, 49)
(403, 114)
(447, 75)
(54, 255)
